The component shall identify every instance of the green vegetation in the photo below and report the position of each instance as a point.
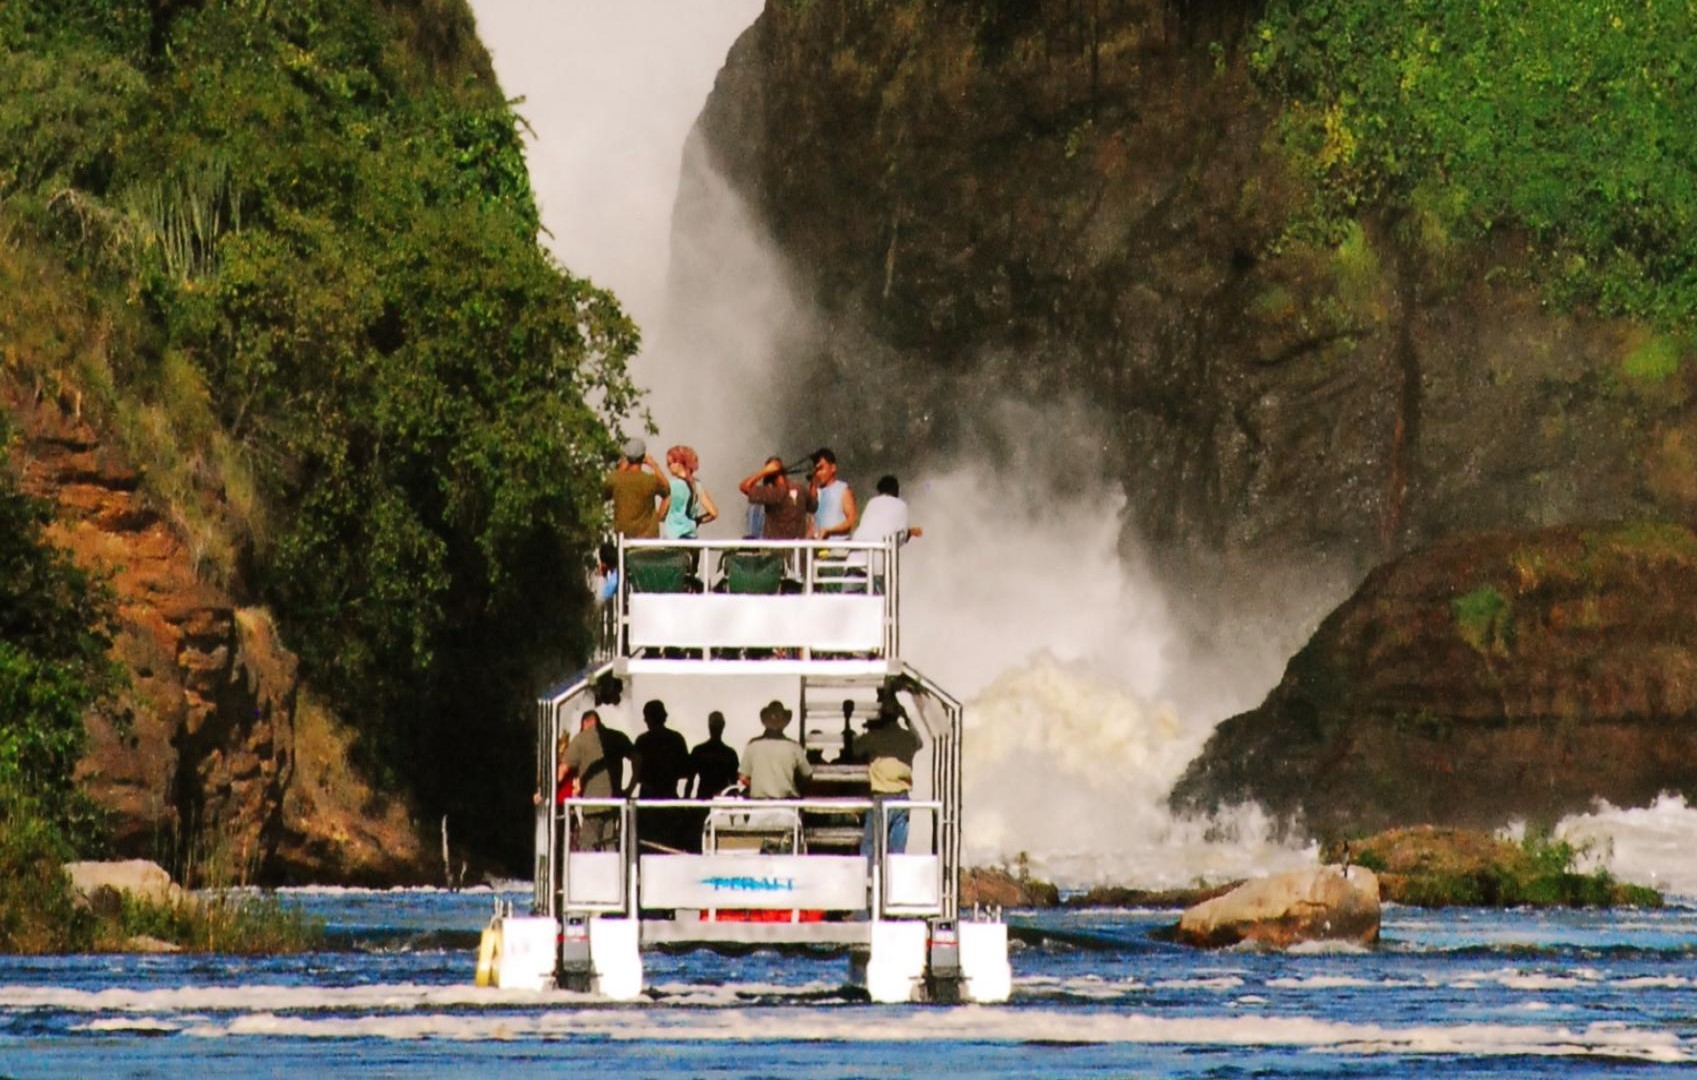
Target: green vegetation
(1566, 123)
(1457, 868)
(55, 629)
(287, 252)
(230, 922)
(1656, 361)
(1485, 620)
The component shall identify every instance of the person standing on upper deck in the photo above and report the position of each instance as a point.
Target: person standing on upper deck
(632, 487)
(689, 507)
(836, 514)
(886, 515)
(786, 504)
(774, 766)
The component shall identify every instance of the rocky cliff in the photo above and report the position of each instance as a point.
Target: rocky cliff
(216, 760)
(1481, 680)
(1095, 204)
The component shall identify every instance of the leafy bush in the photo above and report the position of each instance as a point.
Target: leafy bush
(1566, 121)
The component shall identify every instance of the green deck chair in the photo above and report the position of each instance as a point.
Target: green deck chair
(658, 571)
(753, 572)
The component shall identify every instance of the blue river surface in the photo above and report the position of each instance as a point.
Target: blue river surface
(1459, 992)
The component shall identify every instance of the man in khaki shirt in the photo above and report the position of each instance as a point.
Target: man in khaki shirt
(888, 746)
(773, 766)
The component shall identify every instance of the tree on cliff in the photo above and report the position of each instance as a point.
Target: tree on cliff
(332, 340)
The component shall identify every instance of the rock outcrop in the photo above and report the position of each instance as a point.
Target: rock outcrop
(992, 205)
(1329, 903)
(1426, 866)
(1481, 680)
(214, 759)
(990, 887)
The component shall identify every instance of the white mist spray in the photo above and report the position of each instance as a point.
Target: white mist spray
(1020, 601)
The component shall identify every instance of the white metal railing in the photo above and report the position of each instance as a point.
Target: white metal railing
(786, 599)
(889, 884)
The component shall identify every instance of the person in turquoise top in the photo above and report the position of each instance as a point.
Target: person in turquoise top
(690, 507)
(837, 514)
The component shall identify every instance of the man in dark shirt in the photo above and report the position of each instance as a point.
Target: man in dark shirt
(713, 763)
(662, 756)
(786, 504)
(662, 763)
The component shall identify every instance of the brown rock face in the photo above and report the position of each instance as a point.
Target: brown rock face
(200, 764)
(989, 887)
(1325, 904)
(1483, 679)
(995, 205)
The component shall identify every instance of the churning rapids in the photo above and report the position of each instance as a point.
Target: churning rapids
(1509, 993)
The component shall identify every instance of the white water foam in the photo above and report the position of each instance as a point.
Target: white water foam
(1649, 845)
(989, 1025)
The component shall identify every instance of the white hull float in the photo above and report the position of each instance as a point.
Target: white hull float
(816, 873)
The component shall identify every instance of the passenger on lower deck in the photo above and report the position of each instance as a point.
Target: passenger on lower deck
(773, 765)
(591, 773)
(713, 764)
(888, 746)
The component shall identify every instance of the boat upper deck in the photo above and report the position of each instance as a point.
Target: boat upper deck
(744, 606)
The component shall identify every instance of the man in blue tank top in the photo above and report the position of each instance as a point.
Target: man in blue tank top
(837, 514)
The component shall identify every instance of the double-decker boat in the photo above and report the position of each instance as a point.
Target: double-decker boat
(729, 626)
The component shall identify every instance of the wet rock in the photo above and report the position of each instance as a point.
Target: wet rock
(1118, 896)
(1485, 679)
(1427, 866)
(990, 887)
(1328, 903)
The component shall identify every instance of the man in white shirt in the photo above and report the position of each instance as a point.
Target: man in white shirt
(884, 516)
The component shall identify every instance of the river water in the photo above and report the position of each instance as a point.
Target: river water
(1457, 992)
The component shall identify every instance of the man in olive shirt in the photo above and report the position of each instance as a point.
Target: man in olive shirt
(633, 486)
(593, 774)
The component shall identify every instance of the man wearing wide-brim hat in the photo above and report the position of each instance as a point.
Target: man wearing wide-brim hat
(774, 766)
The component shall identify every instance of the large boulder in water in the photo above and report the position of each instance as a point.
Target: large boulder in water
(1328, 903)
(1482, 680)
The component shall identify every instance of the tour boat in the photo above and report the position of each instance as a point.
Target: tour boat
(729, 626)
